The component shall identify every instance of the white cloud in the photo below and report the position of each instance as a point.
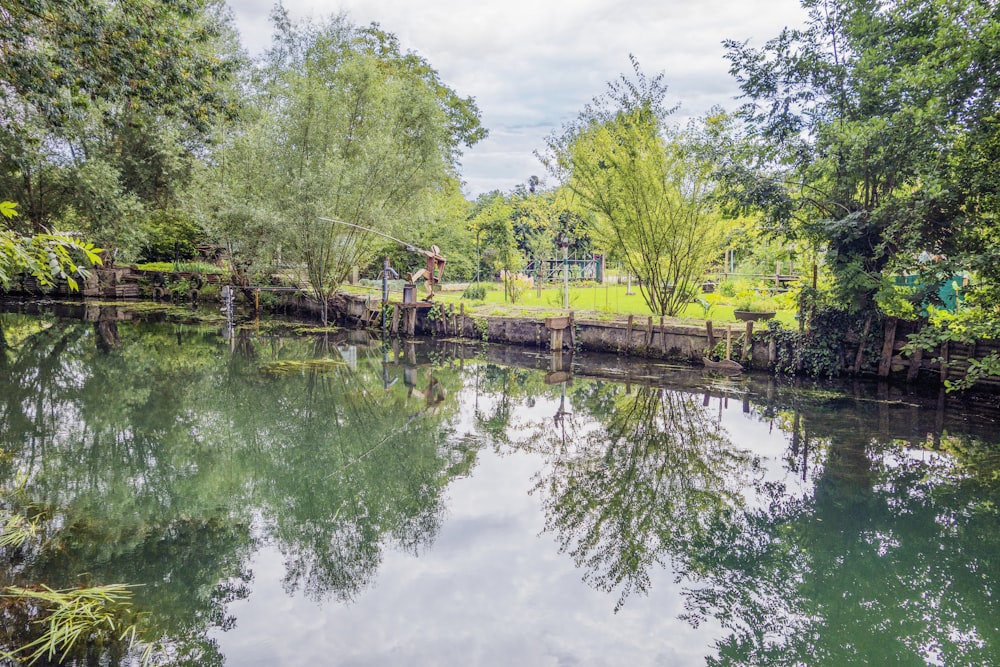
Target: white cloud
(532, 66)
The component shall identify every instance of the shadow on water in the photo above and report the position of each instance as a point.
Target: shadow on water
(166, 454)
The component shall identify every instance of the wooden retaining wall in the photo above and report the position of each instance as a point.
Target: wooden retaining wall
(655, 339)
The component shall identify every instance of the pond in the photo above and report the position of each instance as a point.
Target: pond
(280, 499)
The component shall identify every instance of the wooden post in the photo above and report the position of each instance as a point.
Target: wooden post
(861, 346)
(916, 361)
(747, 342)
(711, 336)
(451, 316)
(729, 341)
(944, 362)
(556, 339)
(572, 330)
(461, 317)
(649, 333)
(663, 338)
(885, 364)
(628, 334)
(394, 328)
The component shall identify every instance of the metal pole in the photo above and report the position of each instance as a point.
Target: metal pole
(385, 289)
(566, 276)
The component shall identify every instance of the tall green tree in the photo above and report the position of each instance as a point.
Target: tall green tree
(496, 241)
(107, 105)
(877, 131)
(346, 126)
(650, 184)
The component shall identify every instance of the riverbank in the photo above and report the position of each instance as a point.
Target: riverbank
(877, 350)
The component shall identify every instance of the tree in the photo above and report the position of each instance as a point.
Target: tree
(107, 103)
(348, 127)
(650, 184)
(877, 136)
(492, 221)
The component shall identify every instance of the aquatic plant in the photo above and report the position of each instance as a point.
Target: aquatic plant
(71, 618)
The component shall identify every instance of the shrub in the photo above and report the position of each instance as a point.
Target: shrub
(475, 292)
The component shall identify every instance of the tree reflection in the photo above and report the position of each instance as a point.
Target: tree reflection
(633, 493)
(162, 462)
(888, 559)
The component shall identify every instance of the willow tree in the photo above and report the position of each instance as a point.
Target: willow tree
(351, 128)
(649, 183)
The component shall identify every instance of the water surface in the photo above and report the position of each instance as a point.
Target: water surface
(326, 499)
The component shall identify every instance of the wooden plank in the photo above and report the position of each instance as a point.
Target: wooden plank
(885, 363)
(861, 346)
(944, 362)
(916, 361)
(747, 342)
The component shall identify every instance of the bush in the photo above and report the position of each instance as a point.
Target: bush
(475, 292)
(167, 232)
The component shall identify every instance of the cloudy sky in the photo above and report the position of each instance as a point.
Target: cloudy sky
(531, 65)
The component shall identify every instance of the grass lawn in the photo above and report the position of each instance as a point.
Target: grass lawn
(609, 301)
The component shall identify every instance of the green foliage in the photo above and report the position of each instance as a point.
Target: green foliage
(46, 257)
(72, 618)
(475, 292)
(180, 289)
(170, 234)
(516, 287)
(344, 126)
(492, 222)
(482, 325)
(109, 104)
(819, 350)
(753, 301)
(435, 314)
(182, 267)
(873, 134)
(707, 304)
(650, 186)
(728, 288)
(977, 319)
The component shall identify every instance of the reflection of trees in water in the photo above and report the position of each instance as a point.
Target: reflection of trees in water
(889, 560)
(635, 492)
(499, 392)
(155, 457)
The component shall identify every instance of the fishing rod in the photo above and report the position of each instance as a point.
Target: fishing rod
(409, 246)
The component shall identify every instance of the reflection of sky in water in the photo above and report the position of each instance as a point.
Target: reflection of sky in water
(493, 587)
(519, 549)
(491, 590)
